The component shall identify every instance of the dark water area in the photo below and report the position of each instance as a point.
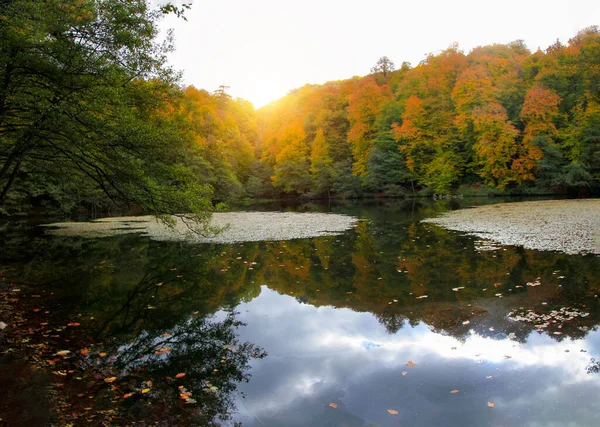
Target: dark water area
(394, 323)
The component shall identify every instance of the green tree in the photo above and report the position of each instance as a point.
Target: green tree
(84, 103)
(321, 165)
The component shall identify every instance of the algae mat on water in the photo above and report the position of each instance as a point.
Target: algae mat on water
(569, 226)
(236, 227)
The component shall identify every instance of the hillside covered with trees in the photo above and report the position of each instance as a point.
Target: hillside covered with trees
(92, 117)
(500, 116)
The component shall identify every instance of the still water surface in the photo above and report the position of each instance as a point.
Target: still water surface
(395, 323)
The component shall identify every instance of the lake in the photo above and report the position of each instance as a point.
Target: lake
(394, 323)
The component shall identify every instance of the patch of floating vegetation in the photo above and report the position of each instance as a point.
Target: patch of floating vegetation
(234, 226)
(552, 319)
(569, 226)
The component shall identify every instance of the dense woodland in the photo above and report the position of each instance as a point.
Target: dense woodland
(92, 117)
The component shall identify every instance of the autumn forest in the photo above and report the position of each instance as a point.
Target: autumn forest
(92, 117)
(498, 119)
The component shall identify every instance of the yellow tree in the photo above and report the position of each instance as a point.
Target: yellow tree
(364, 107)
(539, 110)
(291, 163)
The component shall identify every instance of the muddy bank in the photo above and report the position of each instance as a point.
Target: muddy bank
(569, 226)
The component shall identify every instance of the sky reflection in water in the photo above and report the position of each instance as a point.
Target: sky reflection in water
(318, 356)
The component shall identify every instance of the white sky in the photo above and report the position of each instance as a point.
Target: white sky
(264, 48)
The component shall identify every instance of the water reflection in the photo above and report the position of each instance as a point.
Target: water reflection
(339, 317)
(319, 356)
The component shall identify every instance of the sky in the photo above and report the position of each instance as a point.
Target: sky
(262, 49)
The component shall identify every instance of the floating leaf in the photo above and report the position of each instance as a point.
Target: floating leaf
(146, 390)
(127, 396)
(62, 352)
(491, 405)
(489, 376)
(404, 373)
(393, 412)
(84, 351)
(74, 324)
(110, 380)
(180, 375)
(411, 363)
(333, 405)
(102, 355)
(454, 391)
(466, 322)
(508, 357)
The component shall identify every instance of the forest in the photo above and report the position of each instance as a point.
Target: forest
(92, 117)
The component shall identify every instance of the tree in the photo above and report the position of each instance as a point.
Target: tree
(84, 103)
(364, 107)
(539, 110)
(383, 66)
(321, 165)
(292, 165)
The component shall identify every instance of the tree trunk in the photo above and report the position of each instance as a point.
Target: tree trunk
(11, 179)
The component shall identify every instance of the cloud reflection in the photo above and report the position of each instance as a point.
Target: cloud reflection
(319, 356)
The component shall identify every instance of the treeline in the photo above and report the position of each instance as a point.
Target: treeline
(92, 117)
(500, 117)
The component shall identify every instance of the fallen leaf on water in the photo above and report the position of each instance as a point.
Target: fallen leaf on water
(62, 352)
(74, 324)
(159, 284)
(180, 375)
(163, 350)
(404, 373)
(489, 376)
(84, 351)
(110, 380)
(393, 412)
(127, 396)
(411, 363)
(466, 322)
(508, 357)
(491, 405)
(333, 405)
(454, 391)
(146, 390)
(102, 355)
(166, 335)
